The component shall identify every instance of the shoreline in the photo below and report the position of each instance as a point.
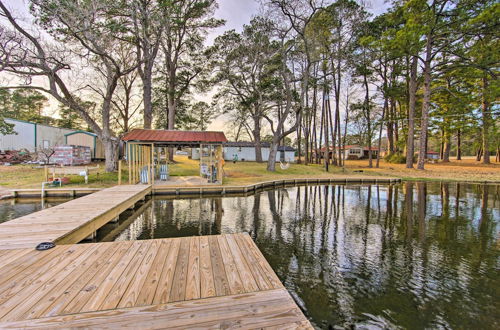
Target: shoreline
(227, 189)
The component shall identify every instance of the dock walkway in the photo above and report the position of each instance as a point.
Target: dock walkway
(72, 221)
(218, 281)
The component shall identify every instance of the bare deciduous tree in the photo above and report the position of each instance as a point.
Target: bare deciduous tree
(80, 27)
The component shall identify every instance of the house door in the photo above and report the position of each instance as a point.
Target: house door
(282, 155)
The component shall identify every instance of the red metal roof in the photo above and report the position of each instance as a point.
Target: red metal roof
(156, 135)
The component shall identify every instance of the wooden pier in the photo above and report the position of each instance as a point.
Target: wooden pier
(72, 221)
(210, 190)
(204, 282)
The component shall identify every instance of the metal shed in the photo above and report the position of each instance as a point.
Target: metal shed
(32, 136)
(86, 139)
(50, 136)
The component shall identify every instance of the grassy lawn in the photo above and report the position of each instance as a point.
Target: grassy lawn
(243, 173)
(27, 176)
(464, 170)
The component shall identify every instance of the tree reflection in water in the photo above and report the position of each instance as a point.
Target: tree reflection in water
(410, 255)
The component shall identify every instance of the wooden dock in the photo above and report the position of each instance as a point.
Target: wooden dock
(72, 221)
(210, 190)
(204, 282)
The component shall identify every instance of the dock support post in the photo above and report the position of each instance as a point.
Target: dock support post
(46, 173)
(92, 236)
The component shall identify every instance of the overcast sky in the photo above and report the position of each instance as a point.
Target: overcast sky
(239, 12)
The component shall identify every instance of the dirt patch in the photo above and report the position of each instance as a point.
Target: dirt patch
(464, 170)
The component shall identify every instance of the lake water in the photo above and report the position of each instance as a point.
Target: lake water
(411, 255)
(15, 208)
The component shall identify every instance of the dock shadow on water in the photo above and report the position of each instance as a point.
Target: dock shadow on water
(412, 255)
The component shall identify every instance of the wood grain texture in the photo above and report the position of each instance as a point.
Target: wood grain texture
(166, 279)
(178, 291)
(219, 273)
(264, 309)
(69, 222)
(232, 271)
(193, 284)
(207, 285)
(202, 282)
(148, 291)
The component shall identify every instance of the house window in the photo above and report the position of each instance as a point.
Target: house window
(353, 151)
(45, 144)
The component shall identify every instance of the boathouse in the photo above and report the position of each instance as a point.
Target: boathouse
(147, 153)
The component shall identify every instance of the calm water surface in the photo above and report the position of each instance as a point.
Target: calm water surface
(15, 208)
(412, 255)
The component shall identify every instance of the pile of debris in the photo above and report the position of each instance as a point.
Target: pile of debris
(10, 157)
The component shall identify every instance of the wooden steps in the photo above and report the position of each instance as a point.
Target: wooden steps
(202, 281)
(72, 221)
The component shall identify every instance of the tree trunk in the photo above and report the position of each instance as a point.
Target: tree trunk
(256, 138)
(171, 114)
(390, 129)
(339, 149)
(410, 147)
(299, 143)
(384, 111)
(147, 98)
(344, 138)
(446, 146)
(441, 147)
(425, 107)
(171, 123)
(486, 122)
(459, 145)
(337, 81)
(327, 145)
(306, 144)
(273, 150)
(396, 136)
(368, 120)
(314, 143)
(111, 153)
(332, 131)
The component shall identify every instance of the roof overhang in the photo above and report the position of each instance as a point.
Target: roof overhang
(174, 138)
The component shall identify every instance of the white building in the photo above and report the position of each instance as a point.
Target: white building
(245, 151)
(31, 136)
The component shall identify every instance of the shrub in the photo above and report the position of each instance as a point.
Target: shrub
(395, 158)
